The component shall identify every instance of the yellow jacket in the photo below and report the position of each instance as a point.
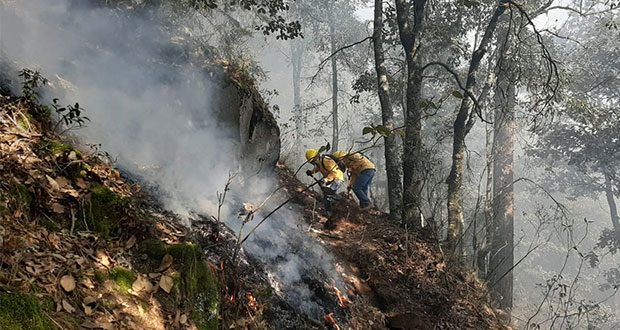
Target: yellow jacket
(328, 168)
(356, 163)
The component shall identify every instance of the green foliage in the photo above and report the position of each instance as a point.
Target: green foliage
(457, 94)
(382, 131)
(19, 311)
(71, 115)
(33, 80)
(123, 277)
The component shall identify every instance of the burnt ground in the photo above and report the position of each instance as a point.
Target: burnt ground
(405, 279)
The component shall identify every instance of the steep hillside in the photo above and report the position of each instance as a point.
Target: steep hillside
(84, 247)
(404, 278)
(79, 249)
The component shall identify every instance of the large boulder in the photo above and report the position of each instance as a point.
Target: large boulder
(239, 105)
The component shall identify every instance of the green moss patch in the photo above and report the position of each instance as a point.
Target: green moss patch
(25, 120)
(22, 312)
(123, 277)
(196, 282)
(73, 167)
(21, 196)
(105, 210)
(100, 276)
(54, 148)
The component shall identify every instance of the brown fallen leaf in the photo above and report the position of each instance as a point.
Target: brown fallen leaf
(87, 282)
(89, 300)
(88, 310)
(58, 208)
(106, 325)
(68, 283)
(142, 284)
(166, 283)
(131, 242)
(103, 258)
(154, 275)
(166, 261)
(55, 186)
(67, 306)
(89, 325)
(62, 182)
(81, 183)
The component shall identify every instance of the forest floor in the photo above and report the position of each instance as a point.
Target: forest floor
(81, 247)
(403, 276)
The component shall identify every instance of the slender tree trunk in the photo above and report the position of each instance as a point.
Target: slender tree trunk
(462, 124)
(392, 162)
(482, 260)
(410, 19)
(332, 37)
(613, 210)
(502, 233)
(297, 52)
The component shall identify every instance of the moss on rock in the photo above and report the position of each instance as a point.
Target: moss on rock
(123, 277)
(105, 210)
(19, 311)
(74, 167)
(196, 282)
(154, 249)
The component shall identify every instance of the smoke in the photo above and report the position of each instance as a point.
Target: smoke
(149, 107)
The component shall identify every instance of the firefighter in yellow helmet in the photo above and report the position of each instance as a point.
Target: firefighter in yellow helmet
(362, 171)
(333, 176)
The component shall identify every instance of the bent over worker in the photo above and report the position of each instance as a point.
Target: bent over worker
(362, 170)
(333, 177)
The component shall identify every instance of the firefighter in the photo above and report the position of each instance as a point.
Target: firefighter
(361, 170)
(333, 176)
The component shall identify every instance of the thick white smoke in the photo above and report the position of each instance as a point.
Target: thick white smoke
(148, 109)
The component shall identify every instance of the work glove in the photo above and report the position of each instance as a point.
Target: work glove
(309, 173)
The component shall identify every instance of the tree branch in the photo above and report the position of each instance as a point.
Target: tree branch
(458, 82)
(322, 64)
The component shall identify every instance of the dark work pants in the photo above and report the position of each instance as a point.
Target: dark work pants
(361, 186)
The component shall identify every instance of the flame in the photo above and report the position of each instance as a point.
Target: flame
(342, 300)
(330, 318)
(252, 301)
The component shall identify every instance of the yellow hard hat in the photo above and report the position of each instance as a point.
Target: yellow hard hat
(311, 153)
(339, 154)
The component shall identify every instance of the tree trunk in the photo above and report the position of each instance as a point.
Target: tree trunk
(332, 37)
(297, 51)
(613, 210)
(481, 258)
(502, 230)
(410, 25)
(462, 124)
(392, 163)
